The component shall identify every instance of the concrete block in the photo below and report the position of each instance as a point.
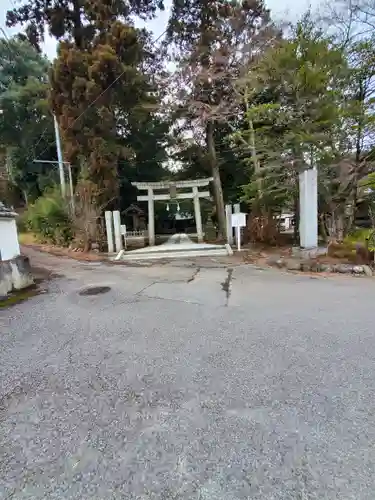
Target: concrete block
(367, 271)
(15, 274)
(293, 264)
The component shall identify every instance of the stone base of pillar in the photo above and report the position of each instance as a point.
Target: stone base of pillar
(308, 253)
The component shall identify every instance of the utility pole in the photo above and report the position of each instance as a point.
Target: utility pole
(71, 188)
(70, 177)
(59, 157)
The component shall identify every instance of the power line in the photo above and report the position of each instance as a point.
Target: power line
(99, 96)
(92, 104)
(13, 4)
(134, 161)
(7, 41)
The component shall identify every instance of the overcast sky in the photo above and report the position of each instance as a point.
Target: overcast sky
(290, 9)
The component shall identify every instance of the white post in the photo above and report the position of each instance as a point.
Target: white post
(109, 230)
(197, 213)
(308, 199)
(59, 156)
(151, 217)
(228, 213)
(237, 210)
(117, 227)
(123, 233)
(238, 238)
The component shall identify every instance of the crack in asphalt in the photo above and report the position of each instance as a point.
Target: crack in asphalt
(227, 284)
(169, 299)
(194, 275)
(140, 292)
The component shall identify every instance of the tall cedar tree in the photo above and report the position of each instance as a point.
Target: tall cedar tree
(96, 51)
(214, 39)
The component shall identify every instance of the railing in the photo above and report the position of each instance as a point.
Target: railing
(136, 234)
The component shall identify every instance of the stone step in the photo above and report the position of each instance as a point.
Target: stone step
(176, 254)
(204, 247)
(178, 246)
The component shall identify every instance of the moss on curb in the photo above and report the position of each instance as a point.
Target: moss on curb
(20, 296)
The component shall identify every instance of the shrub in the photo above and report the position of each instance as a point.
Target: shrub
(22, 224)
(363, 240)
(48, 218)
(344, 250)
(359, 236)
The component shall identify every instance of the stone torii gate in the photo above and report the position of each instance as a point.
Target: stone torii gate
(171, 194)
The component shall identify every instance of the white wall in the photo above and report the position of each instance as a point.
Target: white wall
(9, 246)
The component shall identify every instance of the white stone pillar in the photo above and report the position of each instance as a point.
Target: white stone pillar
(117, 227)
(228, 214)
(308, 202)
(109, 230)
(151, 217)
(197, 213)
(237, 210)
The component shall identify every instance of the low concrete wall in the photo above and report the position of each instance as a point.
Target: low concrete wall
(9, 246)
(15, 274)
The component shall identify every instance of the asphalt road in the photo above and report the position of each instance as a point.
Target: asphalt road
(188, 383)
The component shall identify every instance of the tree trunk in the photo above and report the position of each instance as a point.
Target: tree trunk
(218, 191)
(340, 227)
(77, 24)
(26, 198)
(323, 229)
(371, 212)
(254, 153)
(353, 197)
(335, 226)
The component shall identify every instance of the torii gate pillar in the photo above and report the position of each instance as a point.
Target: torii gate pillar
(151, 216)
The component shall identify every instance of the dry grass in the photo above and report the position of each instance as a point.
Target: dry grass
(27, 239)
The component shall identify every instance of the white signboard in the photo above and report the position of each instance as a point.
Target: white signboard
(239, 220)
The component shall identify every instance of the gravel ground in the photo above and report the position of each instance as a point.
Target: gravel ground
(188, 383)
